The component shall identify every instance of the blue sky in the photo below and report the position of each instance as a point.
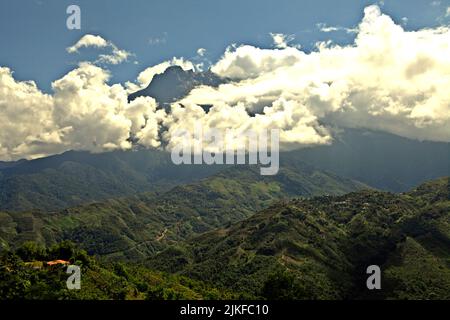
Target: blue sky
(34, 36)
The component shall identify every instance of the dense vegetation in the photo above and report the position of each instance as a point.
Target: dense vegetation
(24, 274)
(320, 248)
(134, 227)
(236, 235)
(76, 177)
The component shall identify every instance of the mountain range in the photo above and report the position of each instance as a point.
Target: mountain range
(303, 248)
(77, 177)
(379, 160)
(319, 248)
(135, 226)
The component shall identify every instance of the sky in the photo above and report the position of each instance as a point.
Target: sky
(306, 68)
(34, 36)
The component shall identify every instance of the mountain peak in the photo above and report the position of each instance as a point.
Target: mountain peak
(175, 83)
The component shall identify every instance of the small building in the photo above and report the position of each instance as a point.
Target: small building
(58, 262)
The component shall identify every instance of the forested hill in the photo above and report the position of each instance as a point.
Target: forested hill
(320, 248)
(134, 227)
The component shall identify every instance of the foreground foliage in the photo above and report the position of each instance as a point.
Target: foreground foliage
(320, 248)
(24, 274)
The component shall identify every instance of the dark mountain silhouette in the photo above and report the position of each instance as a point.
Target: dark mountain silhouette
(382, 160)
(76, 177)
(175, 83)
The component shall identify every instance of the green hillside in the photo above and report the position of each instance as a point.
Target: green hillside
(77, 177)
(24, 274)
(320, 248)
(316, 248)
(134, 227)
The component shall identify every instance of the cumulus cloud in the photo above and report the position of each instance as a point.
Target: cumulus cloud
(98, 114)
(296, 123)
(280, 40)
(86, 41)
(251, 62)
(84, 113)
(201, 51)
(116, 55)
(389, 79)
(25, 119)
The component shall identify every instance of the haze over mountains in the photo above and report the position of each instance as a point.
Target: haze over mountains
(76, 177)
(379, 160)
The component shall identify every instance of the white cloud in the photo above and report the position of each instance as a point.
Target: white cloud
(99, 116)
(447, 12)
(84, 113)
(86, 41)
(297, 124)
(323, 27)
(116, 55)
(388, 79)
(201, 52)
(26, 122)
(281, 41)
(251, 62)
